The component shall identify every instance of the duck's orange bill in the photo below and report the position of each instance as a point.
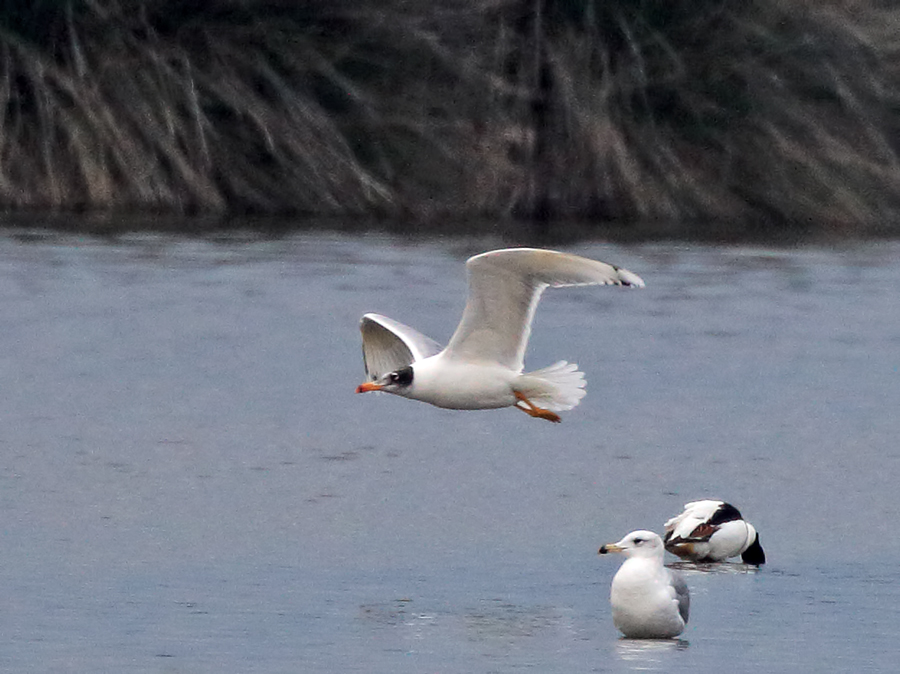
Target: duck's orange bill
(368, 386)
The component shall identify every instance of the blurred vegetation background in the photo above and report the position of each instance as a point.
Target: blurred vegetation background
(783, 114)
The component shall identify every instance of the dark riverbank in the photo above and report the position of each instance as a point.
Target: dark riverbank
(774, 117)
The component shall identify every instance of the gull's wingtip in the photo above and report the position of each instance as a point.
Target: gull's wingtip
(377, 319)
(562, 269)
(629, 278)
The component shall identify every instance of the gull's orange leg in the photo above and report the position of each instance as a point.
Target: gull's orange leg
(533, 410)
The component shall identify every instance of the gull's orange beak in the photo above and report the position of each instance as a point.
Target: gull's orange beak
(368, 386)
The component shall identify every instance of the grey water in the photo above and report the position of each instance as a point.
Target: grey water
(188, 482)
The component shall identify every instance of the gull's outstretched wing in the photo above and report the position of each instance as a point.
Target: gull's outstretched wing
(389, 345)
(504, 289)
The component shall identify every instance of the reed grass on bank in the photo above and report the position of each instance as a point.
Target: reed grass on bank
(779, 112)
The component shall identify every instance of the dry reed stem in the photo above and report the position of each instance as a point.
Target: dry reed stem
(783, 111)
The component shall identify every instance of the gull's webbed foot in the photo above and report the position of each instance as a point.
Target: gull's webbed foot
(533, 410)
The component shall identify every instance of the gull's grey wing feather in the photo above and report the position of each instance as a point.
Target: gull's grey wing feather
(389, 345)
(504, 289)
(681, 594)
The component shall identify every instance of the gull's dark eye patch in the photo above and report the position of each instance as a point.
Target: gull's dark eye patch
(403, 376)
(638, 541)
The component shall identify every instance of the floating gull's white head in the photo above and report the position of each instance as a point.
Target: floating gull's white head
(713, 531)
(648, 600)
(482, 365)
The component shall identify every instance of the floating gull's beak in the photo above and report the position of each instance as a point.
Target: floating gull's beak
(609, 547)
(368, 386)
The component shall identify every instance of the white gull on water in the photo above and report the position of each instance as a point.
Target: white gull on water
(713, 531)
(481, 367)
(648, 600)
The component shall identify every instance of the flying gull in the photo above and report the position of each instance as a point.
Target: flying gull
(482, 365)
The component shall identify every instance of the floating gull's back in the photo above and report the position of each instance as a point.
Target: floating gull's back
(713, 531)
(481, 367)
(648, 600)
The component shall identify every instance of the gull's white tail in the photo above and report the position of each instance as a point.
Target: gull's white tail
(557, 387)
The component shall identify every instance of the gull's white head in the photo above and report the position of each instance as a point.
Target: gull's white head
(640, 543)
(398, 382)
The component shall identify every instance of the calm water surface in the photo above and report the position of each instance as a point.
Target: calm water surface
(189, 484)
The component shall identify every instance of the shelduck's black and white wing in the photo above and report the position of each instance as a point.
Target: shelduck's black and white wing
(712, 531)
(696, 523)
